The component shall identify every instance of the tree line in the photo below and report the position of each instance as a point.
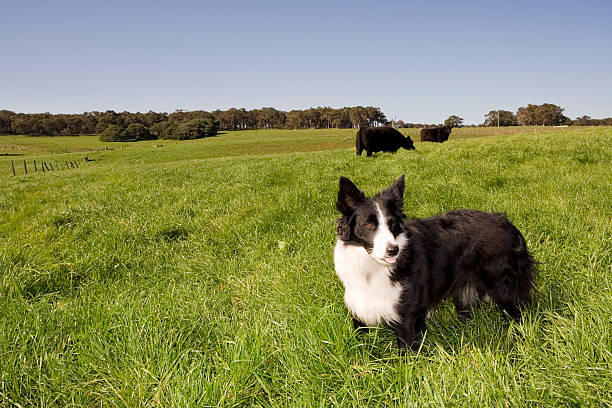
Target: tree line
(546, 114)
(184, 124)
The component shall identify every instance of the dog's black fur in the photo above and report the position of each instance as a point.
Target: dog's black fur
(443, 257)
(381, 139)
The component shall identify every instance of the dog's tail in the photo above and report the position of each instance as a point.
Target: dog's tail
(526, 270)
(513, 275)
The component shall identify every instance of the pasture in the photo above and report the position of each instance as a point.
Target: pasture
(200, 273)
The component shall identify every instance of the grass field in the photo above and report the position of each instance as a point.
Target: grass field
(57, 148)
(201, 274)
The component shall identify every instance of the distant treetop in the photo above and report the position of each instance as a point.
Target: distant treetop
(232, 119)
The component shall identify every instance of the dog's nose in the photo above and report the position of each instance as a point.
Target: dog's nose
(392, 250)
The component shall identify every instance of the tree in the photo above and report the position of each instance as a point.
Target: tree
(583, 121)
(159, 129)
(107, 118)
(397, 123)
(358, 116)
(194, 129)
(453, 121)
(546, 114)
(136, 132)
(528, 115)
(232, 119)
(27, 125)
(602, 122)
(375, 116)
(295, 120)
(204, 127)
(6, 119)
(112, 133)
(161, 124)
(267, 118)
(500, 118)
(340, 118)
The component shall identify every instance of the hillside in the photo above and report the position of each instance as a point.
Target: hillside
(201, 273)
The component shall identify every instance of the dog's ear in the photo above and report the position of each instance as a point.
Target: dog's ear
(348, 196)
(396, 192)
(344, 228)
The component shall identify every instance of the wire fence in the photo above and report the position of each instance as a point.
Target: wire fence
(26, 167)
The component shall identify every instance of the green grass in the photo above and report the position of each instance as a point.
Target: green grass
(34, 145)
(226, 144)
(201, 274)
(57, 149)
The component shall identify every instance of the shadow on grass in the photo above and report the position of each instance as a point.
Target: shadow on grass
(489, 329)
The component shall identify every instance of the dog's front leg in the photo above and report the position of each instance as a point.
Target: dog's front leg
(359, 325)
(408, 332)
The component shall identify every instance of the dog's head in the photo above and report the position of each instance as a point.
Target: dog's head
(373, 223)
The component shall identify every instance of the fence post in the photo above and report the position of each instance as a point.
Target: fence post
(35, 168)
(13, 167)
(52, 168)
(25, 167)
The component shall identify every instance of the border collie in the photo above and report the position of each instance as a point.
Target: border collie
(395, 271)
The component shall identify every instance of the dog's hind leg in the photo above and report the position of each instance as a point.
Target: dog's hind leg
(508, 303)
(512, 285)
(464, 299)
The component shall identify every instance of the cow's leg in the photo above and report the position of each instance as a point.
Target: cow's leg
(369, 153)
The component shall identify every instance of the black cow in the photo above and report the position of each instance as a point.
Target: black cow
(437, 134)
(381, 139)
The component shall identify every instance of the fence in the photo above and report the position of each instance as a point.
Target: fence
(46, 166)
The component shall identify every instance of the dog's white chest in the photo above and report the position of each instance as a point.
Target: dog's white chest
(369, 293)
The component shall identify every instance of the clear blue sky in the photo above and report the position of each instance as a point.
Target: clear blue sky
(418, 61)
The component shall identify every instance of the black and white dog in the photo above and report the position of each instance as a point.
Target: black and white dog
(395, 271)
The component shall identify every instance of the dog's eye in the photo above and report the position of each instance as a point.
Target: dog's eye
(369, 226)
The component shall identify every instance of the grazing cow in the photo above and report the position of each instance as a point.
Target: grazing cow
(381, 139)
(437, 134)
